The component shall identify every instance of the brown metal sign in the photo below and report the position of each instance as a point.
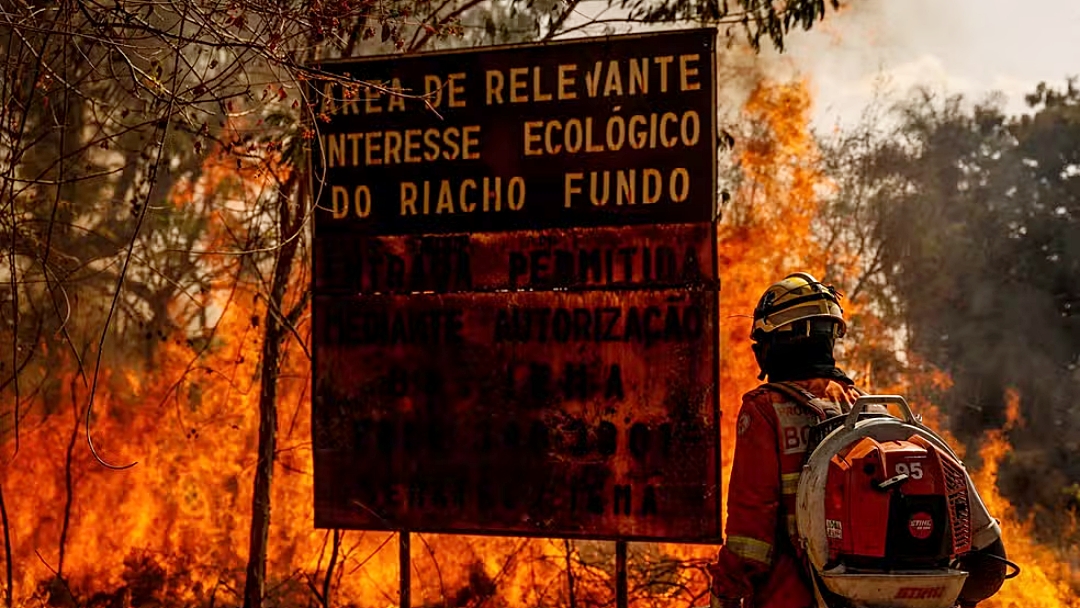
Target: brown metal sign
(573, 414)
(609, 131)
(677, 255)
(515, 310)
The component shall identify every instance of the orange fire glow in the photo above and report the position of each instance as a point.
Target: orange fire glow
(767, 232)
(173, 530)
(1047, 578)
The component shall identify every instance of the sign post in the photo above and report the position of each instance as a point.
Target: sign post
(622, 599)
(516, 292)
(404, 569)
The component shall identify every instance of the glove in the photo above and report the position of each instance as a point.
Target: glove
(987, 573)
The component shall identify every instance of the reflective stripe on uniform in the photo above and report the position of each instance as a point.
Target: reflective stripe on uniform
(750, 548)
(789, 483)
(792, 526)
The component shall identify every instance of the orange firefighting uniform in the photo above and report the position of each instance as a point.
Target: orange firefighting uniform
(759, 560)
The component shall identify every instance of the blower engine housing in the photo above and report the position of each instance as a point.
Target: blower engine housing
(883, 508)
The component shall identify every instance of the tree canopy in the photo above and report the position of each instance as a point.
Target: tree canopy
(970, 222)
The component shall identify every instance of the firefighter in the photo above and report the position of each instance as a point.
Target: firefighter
(796, 324)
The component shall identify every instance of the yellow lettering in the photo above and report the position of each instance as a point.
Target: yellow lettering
(446, 199)
(449, 138)
(638, 136)
(370, 97)
(614, 79)
(625, 185)
(569, 189)
(530, 137)
(354, 139)
(585, 135)
(650, 195)
(339, 197)
(589, 147)
(518, 83)
(408, 198)
(336, 154)
(396, 103)
(556, 148)
(433, 89)
(616, 143)
(457, 87)
(362, 201)
(494, 86)
(573, 142)
(668, 117)
(371, 148)
(592, 81)
(686, 72)
(489, 191)
(566, 79)
(598, 202)
(392, 147)
(348, 103)
(690, 128)
(538, 95)
(663, 63)
(639, 76)
(412, 145)
(515, 194)
(432, 144)
(679, 195)
(466, 207)
(469, 144)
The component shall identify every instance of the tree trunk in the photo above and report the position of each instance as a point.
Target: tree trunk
(289, 222)
(8, 591)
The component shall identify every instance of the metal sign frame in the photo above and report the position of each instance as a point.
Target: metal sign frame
(392, 237)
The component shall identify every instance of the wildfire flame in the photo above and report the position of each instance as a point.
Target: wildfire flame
(1046, 576)
(173, 530)
(768, 231)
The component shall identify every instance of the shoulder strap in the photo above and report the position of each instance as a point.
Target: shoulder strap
(804, 397)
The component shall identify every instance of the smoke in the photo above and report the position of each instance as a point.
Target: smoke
(877, 48)
(968, 215)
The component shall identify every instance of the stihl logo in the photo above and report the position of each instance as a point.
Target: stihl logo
(919, 593)
(921, 525)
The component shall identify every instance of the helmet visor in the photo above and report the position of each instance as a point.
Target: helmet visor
(810, 310)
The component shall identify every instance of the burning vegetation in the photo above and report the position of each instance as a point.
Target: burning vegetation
(173, 530)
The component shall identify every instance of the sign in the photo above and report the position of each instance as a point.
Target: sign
(609, 131)
(515, 291)
(676, 255)
(531, 413)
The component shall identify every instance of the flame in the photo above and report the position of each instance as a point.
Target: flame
(768, 231)
(174, 529)
(1046, 576)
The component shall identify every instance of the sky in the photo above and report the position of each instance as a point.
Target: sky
(974, 47)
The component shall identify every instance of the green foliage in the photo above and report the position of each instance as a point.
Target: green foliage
(974, 217)
(759, 18)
